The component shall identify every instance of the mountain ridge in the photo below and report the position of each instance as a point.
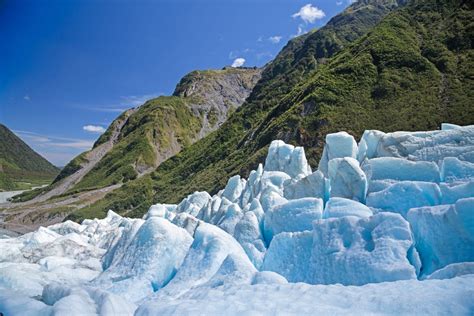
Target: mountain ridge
(316, 86)
(138, 141)
(20, 165)
(206, 164)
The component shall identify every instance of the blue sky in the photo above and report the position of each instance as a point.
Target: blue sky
(68, 67)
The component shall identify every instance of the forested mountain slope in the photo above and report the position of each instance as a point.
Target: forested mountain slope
(207, 164)
(20, 165)
(142, 138)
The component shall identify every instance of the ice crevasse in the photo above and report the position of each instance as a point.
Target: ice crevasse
(391, 214)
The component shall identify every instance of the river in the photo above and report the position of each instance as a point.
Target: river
(4, 196)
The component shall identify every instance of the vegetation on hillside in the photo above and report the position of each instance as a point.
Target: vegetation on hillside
(410, 69)
(71, 167)
(20, 166)
(207, 164)
(141, 138)
(149, 132)
(414, 71)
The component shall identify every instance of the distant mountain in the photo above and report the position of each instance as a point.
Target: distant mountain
(21, 166)
(142, 138)
(380, 64)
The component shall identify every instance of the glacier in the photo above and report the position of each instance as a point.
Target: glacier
(383, 226)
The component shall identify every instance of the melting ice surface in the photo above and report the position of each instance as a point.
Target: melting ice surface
(385, 226)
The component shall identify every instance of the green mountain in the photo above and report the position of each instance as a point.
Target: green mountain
(21, 166)
(381, 64)
(207, 164)
(140, 139)
(413, 71)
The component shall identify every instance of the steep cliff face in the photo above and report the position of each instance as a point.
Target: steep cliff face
(163, 126)
(381, 64)
(215, 94)
(140, 139)
(231, 149)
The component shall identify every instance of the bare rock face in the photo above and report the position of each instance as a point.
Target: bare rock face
(215, 94)
(137, 142)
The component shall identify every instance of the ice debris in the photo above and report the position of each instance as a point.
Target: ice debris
(395, 208)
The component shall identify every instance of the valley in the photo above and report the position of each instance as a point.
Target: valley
(337, 177)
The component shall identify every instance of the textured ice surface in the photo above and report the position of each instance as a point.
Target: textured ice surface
(453, 270)
(271, 200)
(293, 216)
(118, 248)
(379, 185)
(236, 251)
(149, 262)
(65, 301)
(160, 210)
(411, 297)
(249, 233)
(211, 246)
(451, 192)
(339, 207)
(351, 250)
(65, 253)
(449, 126)
(289, 254)
(338, 145)
(193, 203)
(368, 145)
(444, 234)
(234, 188)
(273, 181)
(252, 187)
(453, 169)
(401, 169)
(346, 250)
(419, 146)
(402, 196)
(314, 185)
(347, 179)
(287, 158)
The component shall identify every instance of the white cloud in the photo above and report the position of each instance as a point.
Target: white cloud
(137, 100)
(27, 98)
(105, 109)
(238, 53)
(238, 62)
(260, 39)
(338, 2)
(301, 30)
(58, 150)
(93, 128)
(125, 103)
(79, 144)
(275, 39)
(46, 140)
(309, 14)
